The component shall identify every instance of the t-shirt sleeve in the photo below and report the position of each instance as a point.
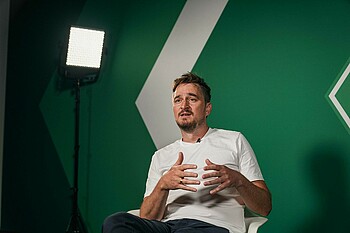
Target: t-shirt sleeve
(249, 166)
(153, 176)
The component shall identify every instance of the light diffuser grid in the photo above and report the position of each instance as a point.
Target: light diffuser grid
(85, 47)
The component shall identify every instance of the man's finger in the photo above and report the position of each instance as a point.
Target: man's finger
(208, 162)
(212, 182)
(216, 190)
(211, 174)
(188, 181)
(188, 188)
(210, 165)
(180, 159)
(190, 174)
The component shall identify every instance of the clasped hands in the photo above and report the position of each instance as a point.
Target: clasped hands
(178, 178)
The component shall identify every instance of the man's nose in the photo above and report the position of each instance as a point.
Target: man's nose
(185, 104)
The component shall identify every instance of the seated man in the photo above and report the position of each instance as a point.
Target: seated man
(202, 182)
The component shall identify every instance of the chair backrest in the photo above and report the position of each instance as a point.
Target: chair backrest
(252, 222)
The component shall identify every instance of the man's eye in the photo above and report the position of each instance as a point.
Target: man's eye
(176, 101)
(193, 100)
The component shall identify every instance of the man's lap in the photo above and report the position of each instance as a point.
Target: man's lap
(125, 222)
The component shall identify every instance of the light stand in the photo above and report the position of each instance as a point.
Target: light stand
(76, 224)
(82, 65)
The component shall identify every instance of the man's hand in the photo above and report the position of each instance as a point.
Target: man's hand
(225, 176)
(176, 177)
(255, 195)
(153, 206)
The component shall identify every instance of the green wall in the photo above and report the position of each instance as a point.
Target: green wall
(270, 64)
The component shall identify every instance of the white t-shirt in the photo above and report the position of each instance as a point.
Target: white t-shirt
(222, 147)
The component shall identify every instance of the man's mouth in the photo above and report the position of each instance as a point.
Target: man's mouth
(184, 114)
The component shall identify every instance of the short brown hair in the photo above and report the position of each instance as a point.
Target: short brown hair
(195, 79)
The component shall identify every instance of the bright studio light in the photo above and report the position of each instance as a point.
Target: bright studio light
(85, 47)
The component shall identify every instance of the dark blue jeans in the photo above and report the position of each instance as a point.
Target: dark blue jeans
(128, 223)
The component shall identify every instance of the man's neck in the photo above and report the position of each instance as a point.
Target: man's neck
(194, 136)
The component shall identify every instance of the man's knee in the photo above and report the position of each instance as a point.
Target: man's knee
(116, 223)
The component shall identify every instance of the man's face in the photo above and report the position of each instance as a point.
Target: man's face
(189, 107)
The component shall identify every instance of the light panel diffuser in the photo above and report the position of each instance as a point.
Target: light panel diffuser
(85, 47)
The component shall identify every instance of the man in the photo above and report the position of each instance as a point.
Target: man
(202, 182)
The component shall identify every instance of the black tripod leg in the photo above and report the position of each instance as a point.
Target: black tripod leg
(76, 225)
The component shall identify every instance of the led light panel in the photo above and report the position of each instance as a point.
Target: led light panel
(85, 47)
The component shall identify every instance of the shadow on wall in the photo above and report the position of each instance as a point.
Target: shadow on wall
(328, 168)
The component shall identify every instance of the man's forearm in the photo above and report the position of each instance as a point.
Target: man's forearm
(153, 206)
(256, 196)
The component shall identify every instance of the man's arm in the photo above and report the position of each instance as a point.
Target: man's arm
(255, 195)
(153, 206)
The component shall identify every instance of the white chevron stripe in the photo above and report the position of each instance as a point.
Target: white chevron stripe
(335, 101)
(179, 54)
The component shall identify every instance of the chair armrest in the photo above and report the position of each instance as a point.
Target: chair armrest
(253, 223)
(134, 212)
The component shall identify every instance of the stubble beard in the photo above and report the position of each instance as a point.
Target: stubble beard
(190, 126)
(187, 126)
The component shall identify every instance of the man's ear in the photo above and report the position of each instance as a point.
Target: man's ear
(208, 109)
